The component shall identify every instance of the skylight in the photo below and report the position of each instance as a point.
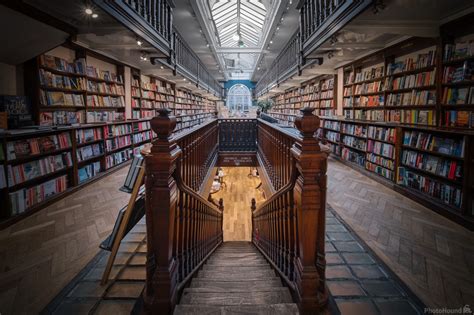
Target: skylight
(239, 23)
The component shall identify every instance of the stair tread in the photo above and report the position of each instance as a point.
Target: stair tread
(234, 289)
(236, 298)
(245, 284)
(274, 309)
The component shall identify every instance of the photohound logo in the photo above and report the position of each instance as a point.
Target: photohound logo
(466, 309)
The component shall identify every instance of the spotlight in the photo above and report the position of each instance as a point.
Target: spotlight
(95, 16)
(236, 37)
(88, 11)
(139, 42)
(184, 79)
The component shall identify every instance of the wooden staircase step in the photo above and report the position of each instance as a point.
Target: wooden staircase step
(267, 274)
(238, 285)
(273, 309)
(234, 269)
(236, 298)
(235, 289)
(236, 263)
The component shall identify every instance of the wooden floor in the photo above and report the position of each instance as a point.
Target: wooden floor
(42, 253)
(237, 194)
(432, 255)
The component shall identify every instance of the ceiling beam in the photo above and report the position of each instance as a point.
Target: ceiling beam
(238, 50)
(402, 27)
(354, 45)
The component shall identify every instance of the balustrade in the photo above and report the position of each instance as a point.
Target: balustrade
(289, 227)
(237, 134)
(183, 228)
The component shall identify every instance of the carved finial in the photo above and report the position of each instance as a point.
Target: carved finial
(308, 123)
(163, 124)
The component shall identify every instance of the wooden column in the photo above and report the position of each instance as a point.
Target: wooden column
(310, 201)
(161, 198)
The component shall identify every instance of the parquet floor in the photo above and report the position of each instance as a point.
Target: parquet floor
(237, 194)
(431, 254)
(42, 253)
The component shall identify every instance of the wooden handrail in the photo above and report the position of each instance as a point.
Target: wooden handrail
(289, 228)
(183, 228)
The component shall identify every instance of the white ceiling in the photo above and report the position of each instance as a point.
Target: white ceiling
(195, 22)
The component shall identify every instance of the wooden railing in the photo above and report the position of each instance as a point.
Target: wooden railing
(237, 134)
(289, 228)
(152, 20)
(199, 148)
(321, 19)
(274, 152)
(183, 229)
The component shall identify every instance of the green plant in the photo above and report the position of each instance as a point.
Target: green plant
(264, 105)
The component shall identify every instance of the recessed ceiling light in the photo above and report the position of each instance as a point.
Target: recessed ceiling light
(88, 11)
(207, 45)
(95, 16)
(139, 42)
(184, 79)
(161, 67)
(271, 42)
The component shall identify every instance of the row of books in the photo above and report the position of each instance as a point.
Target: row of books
(34, 146)
(455, 118)
(105, 101)
(411, 81)
(141, 137)
(105, 116)
(332, 124)
(448, 194)
(117, 130)
(118, 142)
(416, 98)
(89, 152)
(27, 171)
(88, 135)
(48, 98)
(429, 142)
(459, 74)
(353, 156)
(364, 114)
(369, 101)
(3, 178)
(356, 130)
(141, 126)
(332, 136)
(380, 160)
(458, 96)
(49, 79)
(89, 171)
(354, 142)
(105, 75)
(135, 91)
(382, 133)
(381, 148)
(415, 117)
(106, 88)
(372, 87)
(380, 170)
(62, 118)
(117, 158)
(367, 74)
(458, 50)
(443, 167)
(23, 199)
(421, 60)
(63, 65)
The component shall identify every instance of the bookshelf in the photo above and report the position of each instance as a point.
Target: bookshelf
(191, 109)
(397, 85)
(74, 87)
(318, 93)
(431, 165)
(41, 166)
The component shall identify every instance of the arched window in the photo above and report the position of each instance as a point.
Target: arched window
(239, 98)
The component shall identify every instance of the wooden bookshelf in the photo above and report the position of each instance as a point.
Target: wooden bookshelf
(318, 93)
(384, 151)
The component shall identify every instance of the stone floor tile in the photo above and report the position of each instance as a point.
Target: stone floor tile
(115, 307)
(388, 307)
(132, 273)
(75, 306)
(340, 236)
(381, 288)
(87, 289)
(357, 259)
(125, 289)
(368, 272)
(356, 307)
(345, 288)
(336, 228)
(338, 272)
(348, 247)
(138, 259)
(333, 258)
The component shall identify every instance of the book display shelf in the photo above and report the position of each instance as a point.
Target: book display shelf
(74, 86)
(191, 110)
(39, 166)
(430, 165)
(318, 93)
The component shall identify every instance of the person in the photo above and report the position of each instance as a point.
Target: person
(216, 185)
(220, 174)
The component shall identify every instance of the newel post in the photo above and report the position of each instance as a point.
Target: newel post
(310, 201)
(161, 196)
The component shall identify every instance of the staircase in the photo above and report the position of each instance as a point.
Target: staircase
(236, 280)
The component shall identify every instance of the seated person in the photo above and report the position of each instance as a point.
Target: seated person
(216, 185)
